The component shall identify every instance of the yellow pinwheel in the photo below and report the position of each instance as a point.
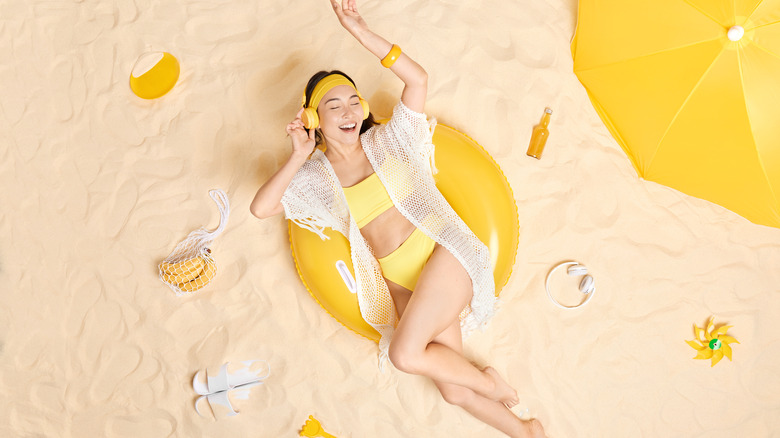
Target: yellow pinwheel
(712, 344)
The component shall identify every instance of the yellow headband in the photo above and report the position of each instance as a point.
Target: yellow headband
(326, 84)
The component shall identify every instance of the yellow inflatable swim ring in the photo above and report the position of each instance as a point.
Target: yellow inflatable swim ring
(476, 189)
(154, 74)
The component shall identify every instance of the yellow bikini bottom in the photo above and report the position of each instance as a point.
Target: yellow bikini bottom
(404, 265)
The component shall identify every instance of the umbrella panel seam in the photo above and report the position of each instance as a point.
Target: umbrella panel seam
(769, 52)
(658, 52)
(752, 132)
(682, 107)
(750, 15)
(762, 25)
(705, 13)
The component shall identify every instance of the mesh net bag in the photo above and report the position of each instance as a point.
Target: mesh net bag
(191, 266)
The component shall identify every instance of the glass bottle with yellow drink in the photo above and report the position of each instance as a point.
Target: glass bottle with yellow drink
(539, 136)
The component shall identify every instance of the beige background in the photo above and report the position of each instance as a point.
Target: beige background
(99, 186)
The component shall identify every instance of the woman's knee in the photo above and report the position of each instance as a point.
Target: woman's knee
(403, 357)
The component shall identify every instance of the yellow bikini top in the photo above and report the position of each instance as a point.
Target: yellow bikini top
(367, 199)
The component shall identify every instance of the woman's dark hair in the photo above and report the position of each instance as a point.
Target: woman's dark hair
(315, 79)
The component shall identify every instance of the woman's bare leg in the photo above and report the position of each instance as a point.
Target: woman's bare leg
(443, 290)
(490, 412)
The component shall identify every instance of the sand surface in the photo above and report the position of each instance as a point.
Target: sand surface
(99, 186)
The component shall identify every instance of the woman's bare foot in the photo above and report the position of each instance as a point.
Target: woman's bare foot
(533, 429)
(501, 392)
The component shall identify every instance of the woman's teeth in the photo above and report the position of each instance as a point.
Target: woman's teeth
(348, 127)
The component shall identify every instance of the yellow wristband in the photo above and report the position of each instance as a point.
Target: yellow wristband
(391, 57)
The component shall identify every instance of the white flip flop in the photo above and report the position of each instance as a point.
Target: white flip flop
(225, 381)
(216, 389)
(220, 402)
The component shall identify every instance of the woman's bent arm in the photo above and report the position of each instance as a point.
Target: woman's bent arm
(268, 199)
(412, 74)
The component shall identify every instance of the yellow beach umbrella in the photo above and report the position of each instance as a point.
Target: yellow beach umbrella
(691, 91)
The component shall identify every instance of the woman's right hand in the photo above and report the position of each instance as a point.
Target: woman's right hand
(303, 142)
(349, 17)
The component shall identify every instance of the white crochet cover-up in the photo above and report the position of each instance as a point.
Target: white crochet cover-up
(401, 153)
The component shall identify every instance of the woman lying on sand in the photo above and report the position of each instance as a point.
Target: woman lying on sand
(424, 278)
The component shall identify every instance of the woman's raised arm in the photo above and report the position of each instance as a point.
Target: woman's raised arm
(411, 73)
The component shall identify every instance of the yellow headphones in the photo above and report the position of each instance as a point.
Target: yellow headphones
(309, 117)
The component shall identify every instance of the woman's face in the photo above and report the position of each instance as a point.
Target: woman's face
(341, 115)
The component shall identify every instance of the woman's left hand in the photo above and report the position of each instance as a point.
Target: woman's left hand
(348, 16)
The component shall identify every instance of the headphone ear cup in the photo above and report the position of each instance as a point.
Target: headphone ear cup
(310, 118)
(577, 269)
(364, 104)
(587, 285)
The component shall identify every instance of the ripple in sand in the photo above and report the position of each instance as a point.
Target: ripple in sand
(117, 363)
(153, 422)
(213, 345)
(121, 206)
(763, 378)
